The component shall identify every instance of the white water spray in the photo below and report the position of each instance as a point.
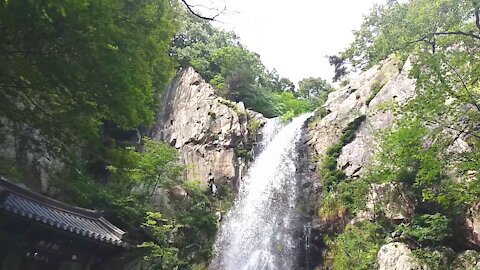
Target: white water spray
(259, 230)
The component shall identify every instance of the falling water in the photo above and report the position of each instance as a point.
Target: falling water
(261, 230)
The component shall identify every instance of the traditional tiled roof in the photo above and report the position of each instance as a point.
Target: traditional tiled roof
(83, 222)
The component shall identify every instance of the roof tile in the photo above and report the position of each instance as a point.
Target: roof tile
(83, 222)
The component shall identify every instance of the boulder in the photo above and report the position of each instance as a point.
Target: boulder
(397, 256)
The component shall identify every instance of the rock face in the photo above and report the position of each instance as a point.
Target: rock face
(372, 97)
(472, 225)
(397, 256)
(468, 260)
(19, 152)
(387, 83)
(392, 199)
(214, 136)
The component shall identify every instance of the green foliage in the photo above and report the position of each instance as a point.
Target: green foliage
(241, 151)
(161, 254)
(184, 231)
(154, 167)
(241, 71)
(406, 27)
(8, 169)
(400, 154)
(440, 38)
(66, 66)
(238, 74)
(287, 117)
(252, 126)
(348, 196)
(314, 90)
(75, 75)
(427, 229)
(404, 157)
(234, 107)
(442, 43)
(133, 177)
(355, 248)
(199, 225)
(435, 258)
(289, 106)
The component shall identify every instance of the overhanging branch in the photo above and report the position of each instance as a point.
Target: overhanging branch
(196, 14)
(468, 34)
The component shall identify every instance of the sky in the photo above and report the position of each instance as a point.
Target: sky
(294, 36)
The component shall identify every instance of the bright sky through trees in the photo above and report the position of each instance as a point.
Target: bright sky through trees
(294, 36)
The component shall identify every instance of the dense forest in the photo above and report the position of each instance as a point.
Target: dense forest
(80, 83)
(81, 80)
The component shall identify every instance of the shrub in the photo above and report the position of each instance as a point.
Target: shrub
(355, 248)
(287, 117)
(427, 229)
(439, 258)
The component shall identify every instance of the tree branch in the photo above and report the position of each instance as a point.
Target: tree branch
(477, 14)
(190, 8)
(427, 38)
(472, 97)
(468, 34)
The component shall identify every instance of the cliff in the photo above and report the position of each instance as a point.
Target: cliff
(343, 139)
(363, 97)
(214, 136)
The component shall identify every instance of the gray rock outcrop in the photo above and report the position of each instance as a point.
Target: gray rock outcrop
(397, 256)
(372, 94)
(214, 136)
(392, 199)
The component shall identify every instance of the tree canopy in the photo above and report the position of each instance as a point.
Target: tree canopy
(66, 66)
(237, 73)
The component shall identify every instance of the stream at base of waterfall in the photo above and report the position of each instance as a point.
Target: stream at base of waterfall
(264, 230)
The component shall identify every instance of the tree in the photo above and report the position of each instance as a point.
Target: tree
(313, 87)
(285, 85)
(339, 64)
(66, 66)
(315, 90)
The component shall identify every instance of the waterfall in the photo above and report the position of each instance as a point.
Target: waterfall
(263, 230)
